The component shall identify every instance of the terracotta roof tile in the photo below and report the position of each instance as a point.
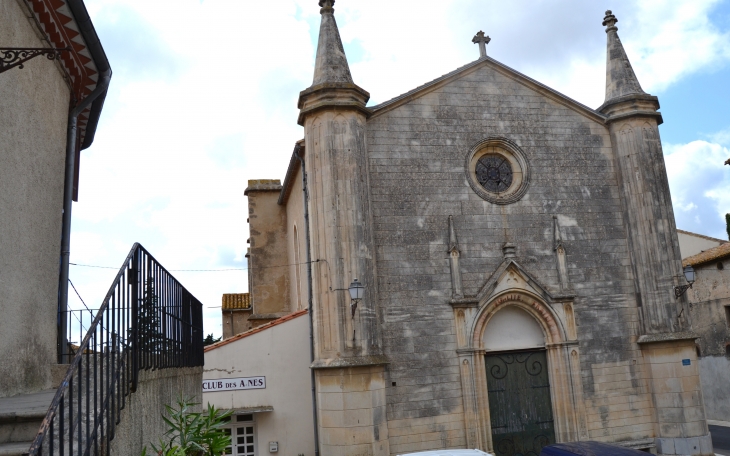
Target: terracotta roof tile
(236, 301)
(715, 253)
(250, 332)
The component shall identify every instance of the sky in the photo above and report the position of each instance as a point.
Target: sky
(204, 97)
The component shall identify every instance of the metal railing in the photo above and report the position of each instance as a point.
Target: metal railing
(147, 321)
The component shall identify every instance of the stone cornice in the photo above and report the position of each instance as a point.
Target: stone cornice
(263, 185)
(332, 96)
(667, 337)
(356, 361)
(634, 105)
(464, 302)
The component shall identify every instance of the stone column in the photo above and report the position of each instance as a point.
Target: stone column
(350, 368)
(667, 342)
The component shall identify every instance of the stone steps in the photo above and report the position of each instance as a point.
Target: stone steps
(14, 448)
(20, 419)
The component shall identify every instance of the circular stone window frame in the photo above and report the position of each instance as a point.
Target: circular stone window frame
(517, 160)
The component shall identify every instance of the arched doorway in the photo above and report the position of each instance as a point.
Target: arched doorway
(518, 383)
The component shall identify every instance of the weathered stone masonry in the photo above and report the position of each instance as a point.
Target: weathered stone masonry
(583, 242)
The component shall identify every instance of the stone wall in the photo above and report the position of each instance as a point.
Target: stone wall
(141, 419)
(34, 113)
(269, 284)
(710, 314)
(235, 321)
(417, 157)
(297, 244)
(712, 281)
(714, 372)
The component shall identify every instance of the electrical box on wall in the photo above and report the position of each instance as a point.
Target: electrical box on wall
(273, 447)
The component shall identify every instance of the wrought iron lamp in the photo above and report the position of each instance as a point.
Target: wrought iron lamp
(689, 275)
(357, 291)
(16, 57)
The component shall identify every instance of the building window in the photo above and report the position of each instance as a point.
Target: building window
(242, 430)
(720, 266)
(497, 170)
(727, 316)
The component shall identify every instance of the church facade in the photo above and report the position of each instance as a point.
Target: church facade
(518, 254)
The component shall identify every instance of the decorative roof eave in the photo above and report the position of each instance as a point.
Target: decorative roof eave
(66, 23)
(487, 61)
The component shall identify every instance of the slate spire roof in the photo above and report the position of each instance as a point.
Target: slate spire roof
(620, 77)
(331, 63)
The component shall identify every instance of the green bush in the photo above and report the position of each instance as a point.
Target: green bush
(192, 433)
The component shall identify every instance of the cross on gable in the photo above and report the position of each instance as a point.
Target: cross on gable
(483, 41)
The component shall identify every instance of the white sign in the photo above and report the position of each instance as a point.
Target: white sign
(231, 384)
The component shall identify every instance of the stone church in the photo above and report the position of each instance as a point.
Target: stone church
(517, 252)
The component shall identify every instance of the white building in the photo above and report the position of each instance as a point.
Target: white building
(692, 243)
(263, 375)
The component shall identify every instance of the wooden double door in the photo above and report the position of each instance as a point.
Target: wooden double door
(520, 409)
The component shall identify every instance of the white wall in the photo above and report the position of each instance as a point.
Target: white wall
(34, 105)
(281, 354)
(511, 329)
(692, 245)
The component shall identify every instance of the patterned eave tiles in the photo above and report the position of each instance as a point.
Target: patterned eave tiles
(62, 31)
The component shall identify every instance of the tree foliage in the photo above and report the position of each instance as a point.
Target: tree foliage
(210, 340)
(192, 433)
(151, 337)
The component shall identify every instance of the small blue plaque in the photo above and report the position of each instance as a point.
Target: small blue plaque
(685, 362)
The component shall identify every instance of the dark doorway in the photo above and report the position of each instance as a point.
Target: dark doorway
(520, 409)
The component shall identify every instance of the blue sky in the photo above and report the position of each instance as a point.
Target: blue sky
(204, 95)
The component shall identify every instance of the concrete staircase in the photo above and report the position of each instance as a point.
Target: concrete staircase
(20, 420)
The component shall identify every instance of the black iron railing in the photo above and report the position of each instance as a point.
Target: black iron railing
(147, 321)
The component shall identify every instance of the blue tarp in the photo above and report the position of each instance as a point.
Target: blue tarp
(588, 449)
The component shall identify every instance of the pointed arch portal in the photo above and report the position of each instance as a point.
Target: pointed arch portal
(520, 386)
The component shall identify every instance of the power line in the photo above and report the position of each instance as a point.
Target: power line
(205, 270)
(82, 301)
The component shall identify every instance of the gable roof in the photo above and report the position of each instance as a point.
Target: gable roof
(502, 69)
(258, 329)
(715, 253)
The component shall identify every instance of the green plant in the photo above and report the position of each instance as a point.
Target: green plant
(192, 433)
(151, 338)
(727, 225)
(210, 340)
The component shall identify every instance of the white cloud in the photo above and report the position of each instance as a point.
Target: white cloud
(721, 137)
(699, 184)
(686, 207)
(204, 96)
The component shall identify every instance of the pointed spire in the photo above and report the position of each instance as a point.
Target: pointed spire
(332, 87)
(453, 241)
(331, 63)
(620, 77)
(557, 238)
